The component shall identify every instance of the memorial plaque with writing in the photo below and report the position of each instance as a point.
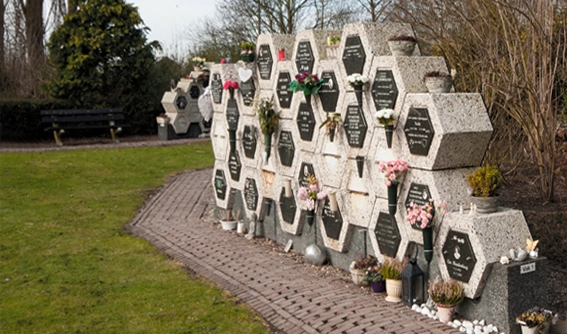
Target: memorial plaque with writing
(265, 62)
(232, 114)
(419, 131)
(247, 89)
(329, 92)
(181, 102)
(234, 165)
(251, 194)
(287, 207)
(304, 57)
(305, 121)
(387, 234)
(355, 126)
(333, 221)
(459, 256)
(354, 55)
(249, 141)
(286, 148)
(220, 184)
(420, 195)
(194, 91)
(216, 88)
(384, 90)
(284, 95)
(306, 169)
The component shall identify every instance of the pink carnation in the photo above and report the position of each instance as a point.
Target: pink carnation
(302, 193)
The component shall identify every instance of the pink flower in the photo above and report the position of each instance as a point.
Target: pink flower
(302, 193)
(310, 204)
(313, 187)
(321, 195)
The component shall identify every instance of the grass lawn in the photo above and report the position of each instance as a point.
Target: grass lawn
(66, 265)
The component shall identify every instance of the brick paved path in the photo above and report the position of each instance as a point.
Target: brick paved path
(289, 295)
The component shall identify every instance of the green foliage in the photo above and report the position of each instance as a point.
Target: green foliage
(268, 118)
(103, 59)
(332, 121)
(69, 267)
(485, 180)
(446, 293)
(373, 274)
(392, 269)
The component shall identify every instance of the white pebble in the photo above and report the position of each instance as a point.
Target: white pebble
(418, 309)
(488, 328)
(430, 315)
(495, 329)
(475, 322)
(470, 331)
(457, 322)
(482, 322)
(423, 305)
(414, 307)
(462, 329)
(425, 311)
(467, 324)
(435, 317)
(477, 327)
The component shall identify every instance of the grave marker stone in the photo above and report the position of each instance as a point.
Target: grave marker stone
(329, 92)
(306, 169)
(354, 55)
(306, 121)
(304, 57)
(384, 90)
(216, 88)
(286, 148)
(419, 131)
(248, 90)
(234, 165)
(333, 221)
(387, 235)
(251, 194)
(284, 95)
(220, 184)
(288, 207)
(249, 141)
(232, 114)
(459, 256)
(355, 126)
(265, 62)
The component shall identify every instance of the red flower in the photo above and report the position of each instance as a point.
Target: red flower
(230, 84)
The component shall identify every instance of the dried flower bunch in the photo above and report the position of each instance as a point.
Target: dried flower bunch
(332, 121)
(247, 46)
(424, 216)
(385, 116)
(485, 181)
(357, 80)
(363, 262)
(198, 61)
(311, 193)
(446, 293)
(393, 170)
(333, 41)
(437, 74)
(267, 117)
(535, 317)
(392, 269)
(307, 83)
(406, 38)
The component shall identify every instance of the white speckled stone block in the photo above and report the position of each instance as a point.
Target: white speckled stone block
(339, 83)
(341, 244)
(351, 151)
(219, 136)
(275, 43)
(220, 173)
(295, 227)
(253, 124)
(225, 72)
(285, 68)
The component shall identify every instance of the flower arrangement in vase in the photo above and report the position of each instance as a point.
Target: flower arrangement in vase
(484, 183)
(247, 51)
(230, 85)
(307, 83)
(332, 123)
(394, 171)
(423, 217)
(402, 45)
(373, 275)
(438, 82)
(357, 81)
(311, 194)
(392, 272)
(535, 320)
(446, 295)
(269, 120)
(198, 63)
(358, 268)
(386, 118)
(333, 47)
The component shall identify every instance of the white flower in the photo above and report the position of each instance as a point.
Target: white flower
(380, 113)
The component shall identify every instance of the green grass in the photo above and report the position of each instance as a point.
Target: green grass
(67, 266)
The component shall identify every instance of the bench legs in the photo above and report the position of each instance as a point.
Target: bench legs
(56, 133)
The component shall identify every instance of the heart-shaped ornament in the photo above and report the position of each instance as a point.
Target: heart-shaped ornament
(244, 75)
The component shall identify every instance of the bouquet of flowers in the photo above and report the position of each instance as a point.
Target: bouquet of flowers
(374, 274)
(357, 80)
(307, 83)
(311, 194)
(393, 170)
(198, 61)
(229, 84)
(267, 117)
(423, 216)
(385, 116)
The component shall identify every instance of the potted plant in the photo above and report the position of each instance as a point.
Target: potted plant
(333, 47)
(484, 182)
(394, 171)
(386, 118)
(307, 83)
(535, 320)
(423, 217)
(374, 276)
(359, 266)
(247, 51)
(357, 81)
(438, 82)
(332, 123)
(162, 119)
(229, 219)
(269, 120)
(311, 194)
(446, 295)
(198, 63)
(402, 45)
(392, 273)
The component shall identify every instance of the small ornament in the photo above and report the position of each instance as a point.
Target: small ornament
(504, 260)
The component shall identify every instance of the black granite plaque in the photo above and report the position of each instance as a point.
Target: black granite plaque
(181, 102)
(354, 55)
(333, 221)
(384, 90)
(232, 114)
(387, 234)
(306, 169)
(251, 194)
(459, 256)
(419, 131)
(216, 88)
(247, 89)
(284, 95)
(286, 148)
(305, 121)
(288, 207)
(304, 57)
(220, 184)
(194, 91)
(265, 62)
(355, 126)
(420, 195)
(249, 141)
(329, 92)
(234, 165)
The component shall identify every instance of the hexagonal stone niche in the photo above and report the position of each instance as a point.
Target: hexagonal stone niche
(384, 90)
(249, 141)
(234, 165)
(355, 126)
(306, 121)
(354, 55)
(304, 59)
(282, 91)
(419, 131)
(329, 92)
(248, 90)
(174, 102)
(180, 122)
(468, 245)
(216, 88)
(304, 170)
(265, 62)
(194, 91)
(181, 102)
(387, 234)
(232, 114)
(220, 184)
(288, 207)
(286, 148)
(335, 231)
(251, 194)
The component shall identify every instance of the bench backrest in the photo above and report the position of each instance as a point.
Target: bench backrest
(81, 115)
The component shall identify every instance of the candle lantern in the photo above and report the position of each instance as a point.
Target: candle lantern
(413, 283)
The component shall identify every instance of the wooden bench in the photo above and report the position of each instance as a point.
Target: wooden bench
(83, 119)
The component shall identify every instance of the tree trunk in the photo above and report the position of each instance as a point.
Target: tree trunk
(2, 22)
(33, 11)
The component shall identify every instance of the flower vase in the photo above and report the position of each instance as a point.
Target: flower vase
(310, 217)
(232, 139)
(389, 134)
(439, 84)
(357, 275)
(393, 290)
(267, 145)
(393, 198)
(307, 97)
(251, 56)
(529, 330)
(332, 134)
(360, 165)
(358, 93)
(445, 313)
(428, 243)
(244, 57)
(378, 287)
(401, 48)
(231, 93)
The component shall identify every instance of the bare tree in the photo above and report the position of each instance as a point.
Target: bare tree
(375, 10)
(33, 13)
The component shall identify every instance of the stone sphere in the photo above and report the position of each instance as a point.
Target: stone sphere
(315, 255)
